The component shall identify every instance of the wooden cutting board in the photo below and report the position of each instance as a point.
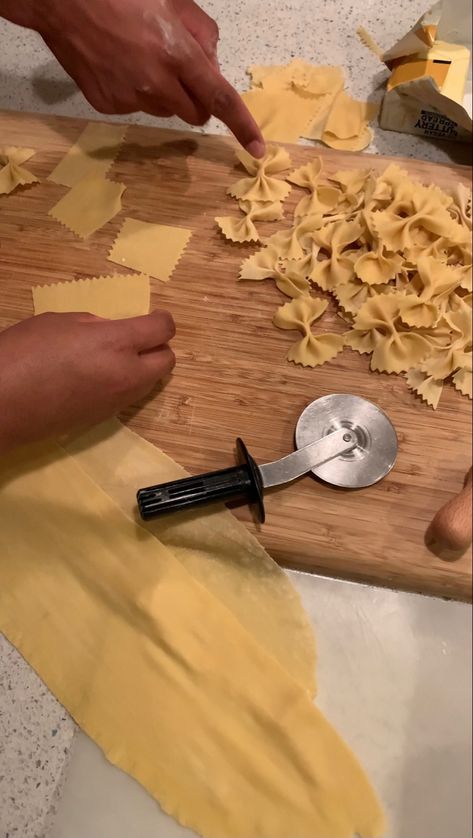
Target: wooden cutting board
(232, 378)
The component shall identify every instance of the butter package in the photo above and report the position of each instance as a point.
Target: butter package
(429, 91)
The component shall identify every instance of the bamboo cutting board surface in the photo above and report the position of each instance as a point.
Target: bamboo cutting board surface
(232, 378)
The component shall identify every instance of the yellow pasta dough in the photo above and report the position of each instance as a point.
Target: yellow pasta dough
(162, 675)
(244, 229)
(379, 329)
(282, 115)
(89, 205)
(352, 294)
(322, 198)
(425, 386)
(358, 143)
(336, 240)
(311, 350)
(91, 155)
(299, 75)
(12, 171)
(463, 382)
(395, 254)
(348, 117)
(114, 297)
(293, 243)
(301, 99)
(262, 185)
(213, 546)
(114, 616)
(286, 273)
(152, 249)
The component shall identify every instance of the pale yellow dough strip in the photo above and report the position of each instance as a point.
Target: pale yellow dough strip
(282, 115)
(213, 546)
(114, 296)
(89, 205)
(91, 155)
(153, 249)
(159, 673)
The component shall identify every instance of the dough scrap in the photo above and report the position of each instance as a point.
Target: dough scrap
(312, 350)
(302, 99)
(89, 205)
(348, 117)
(244, 229)
(282, 115)
(91, 155)
(159, 673)
(317, 81)
(12, 171)
(152, 249)
(315, 129)
(262, 186)
(299, 75)
(114, 297)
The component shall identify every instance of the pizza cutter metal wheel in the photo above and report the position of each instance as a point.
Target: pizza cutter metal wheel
(344, 440)
(377, 444)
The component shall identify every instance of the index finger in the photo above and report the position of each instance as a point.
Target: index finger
(222, 100)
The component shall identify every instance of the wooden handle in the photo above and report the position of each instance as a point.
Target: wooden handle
(452, 525)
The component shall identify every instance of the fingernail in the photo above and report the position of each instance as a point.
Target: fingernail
(256, 148)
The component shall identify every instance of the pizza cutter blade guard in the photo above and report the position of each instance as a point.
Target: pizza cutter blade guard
(344, 440)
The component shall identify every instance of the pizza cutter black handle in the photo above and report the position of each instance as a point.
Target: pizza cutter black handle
(241, 481)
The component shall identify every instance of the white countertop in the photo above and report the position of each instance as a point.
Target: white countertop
(394, 669)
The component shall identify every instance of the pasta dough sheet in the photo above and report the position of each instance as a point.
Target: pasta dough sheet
(92, 154)
(301, 99)
(114, 297)
(153, 249)
(159, 673)
(214, 547)
(282, 115)
(12, 171)
(89, 205)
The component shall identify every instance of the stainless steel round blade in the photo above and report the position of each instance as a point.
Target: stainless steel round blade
(377, 444)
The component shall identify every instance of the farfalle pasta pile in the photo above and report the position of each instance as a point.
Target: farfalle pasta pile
(393, 254)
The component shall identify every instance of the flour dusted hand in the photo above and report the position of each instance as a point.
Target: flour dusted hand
(157, 56)
(59, 372)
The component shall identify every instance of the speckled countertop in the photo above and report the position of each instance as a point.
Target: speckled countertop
(35, 732)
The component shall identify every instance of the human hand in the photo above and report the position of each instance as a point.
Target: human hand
(157, 56)
(59, 372)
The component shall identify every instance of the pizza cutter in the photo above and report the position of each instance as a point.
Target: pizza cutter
(344, 440)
